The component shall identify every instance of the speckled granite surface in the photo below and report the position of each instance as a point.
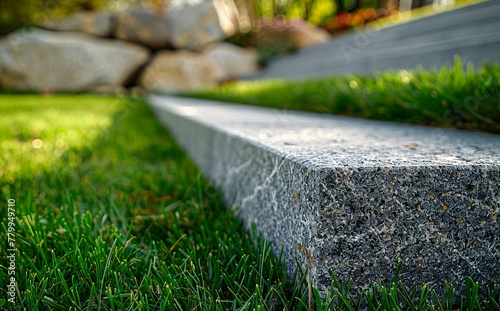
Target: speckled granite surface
(352, 195)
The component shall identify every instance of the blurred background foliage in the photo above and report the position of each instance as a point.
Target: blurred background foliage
(277, 18)
(18, 13)
(15, 14)
(329, 14)
(313, 11)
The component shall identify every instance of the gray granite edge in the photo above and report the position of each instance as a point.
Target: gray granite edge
(290, 201)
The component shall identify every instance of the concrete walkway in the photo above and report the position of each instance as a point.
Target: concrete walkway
(349, 194)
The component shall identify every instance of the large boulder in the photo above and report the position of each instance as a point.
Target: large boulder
(143, 26)
(304, 35)
(95, 23)
(231, 61)
(194, 25)
(40, 60)
(178, 71)
(231, 17)
(297, 34)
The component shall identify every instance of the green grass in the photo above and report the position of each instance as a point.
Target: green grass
(111, 215)
(449, 97)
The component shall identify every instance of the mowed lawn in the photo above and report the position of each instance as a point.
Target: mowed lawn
(111, 215)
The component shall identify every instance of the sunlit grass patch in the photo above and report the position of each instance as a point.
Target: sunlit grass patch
(36, 131)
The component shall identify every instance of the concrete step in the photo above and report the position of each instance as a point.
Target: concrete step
(473, 32)
(371, 42)
(475, 48)
(349, 194)
(483, 17)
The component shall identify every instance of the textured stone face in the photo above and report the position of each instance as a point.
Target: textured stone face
(194, 25)
(440, 220)
(94, 23)
(177, 71)
(143, 26)
(352, 195)
(40, 60)
(231, 61)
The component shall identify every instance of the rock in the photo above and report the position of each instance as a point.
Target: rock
(232, 19)
(304, 35)
(298, 34)
(40, 60)
(143, 26)
(178, 71)
(231, 61)
(195, 25)
(99, 24)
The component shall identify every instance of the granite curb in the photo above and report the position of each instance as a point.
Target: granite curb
(351, 195)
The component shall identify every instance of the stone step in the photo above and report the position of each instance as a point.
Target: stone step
(349, 194)
(473, 32)
(373, 42)
(477, 49)
(463, 21)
